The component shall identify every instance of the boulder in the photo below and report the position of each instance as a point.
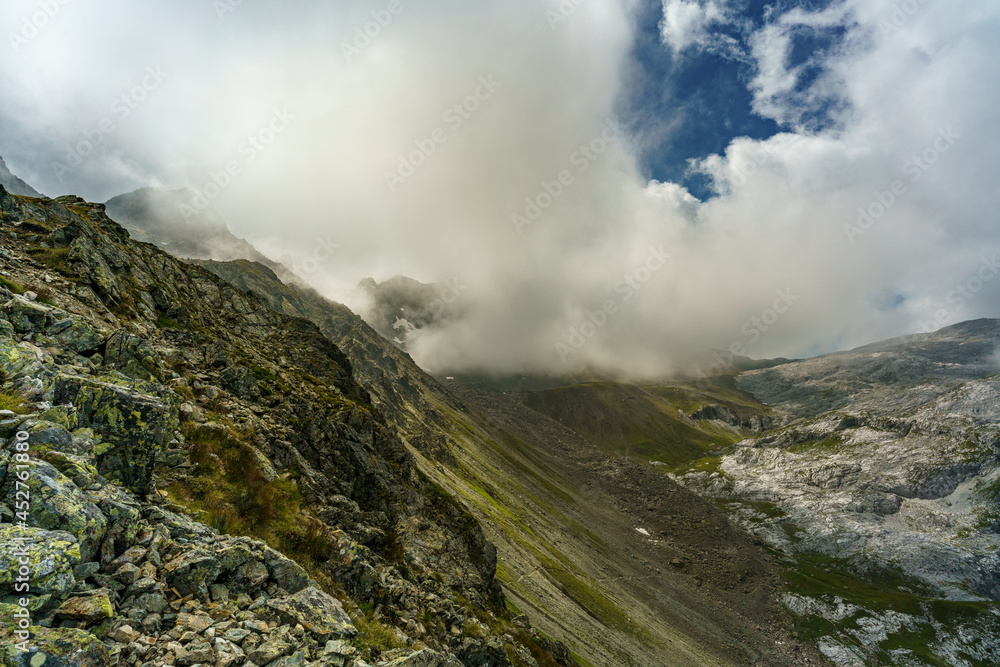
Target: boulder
(55, 647)
(71, 334)
(425, 658)
(137, 426)
(58, 504)
(317, 612)
(52, 556)
(26, 316)
(192, 572)
(132, 355)
(90, 609)
(483, 653)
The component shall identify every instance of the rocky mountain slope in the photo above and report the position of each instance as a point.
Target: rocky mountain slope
(569, 558)
(882, 490)
(204, 481)
(562, 514)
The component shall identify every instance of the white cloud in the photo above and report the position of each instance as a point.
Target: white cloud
(688, 23)
(777, 221)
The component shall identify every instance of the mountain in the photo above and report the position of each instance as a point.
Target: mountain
(401, 308)
(562, 513)
(172, 220)
(880, 485)
(202, 468)
(15, 185)
(838, 510)
(205, 461)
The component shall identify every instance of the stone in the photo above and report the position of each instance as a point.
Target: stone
(318, 612)
(236, 635)
(127, 574)
(192, 572)
(55, 647)
(196, 623)
(425, 658)
(270, 650)
(52, 556)
(288, 574)
(58, 504)
(123, 635)
(25, 315)
(194, 654)
(133, 356)
(219, 593)
(89, 609)
(135, 425)
(297, 659)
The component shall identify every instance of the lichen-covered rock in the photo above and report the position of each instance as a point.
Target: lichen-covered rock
(55, 647)
(19, 359)
(72, 334)
(483, 653)
(26, 316)
(90, 265)
(58, 504)
(192, 572)
(46, 435)
(288, 574)
(52, 556)
(137, 426)
(90, 609)
(240, 381)
(317, 612)
(425, 658)
(132, 355)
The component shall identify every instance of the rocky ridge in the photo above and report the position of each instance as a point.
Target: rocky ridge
(167, 413)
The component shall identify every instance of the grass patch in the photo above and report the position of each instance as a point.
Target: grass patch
(54, 258)
(14, 401)
(230, 486)
(828, 444)
(374, 635)
(12, 286)
(164, 322)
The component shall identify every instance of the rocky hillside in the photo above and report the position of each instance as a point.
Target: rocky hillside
(200, 479)
(563, 514)
(881, 491)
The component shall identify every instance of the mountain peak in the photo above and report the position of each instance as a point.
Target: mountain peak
(15, 185)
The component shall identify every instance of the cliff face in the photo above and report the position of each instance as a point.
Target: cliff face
(200, 463)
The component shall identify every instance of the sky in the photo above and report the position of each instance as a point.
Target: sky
(619, 185)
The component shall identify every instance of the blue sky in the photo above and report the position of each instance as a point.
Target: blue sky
(688, 104)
